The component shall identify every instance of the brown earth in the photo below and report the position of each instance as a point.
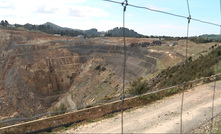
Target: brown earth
(41, 72)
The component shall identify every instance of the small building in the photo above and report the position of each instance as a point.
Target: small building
(157, 43)
(80, 36)
(174, 43)
(57, 34)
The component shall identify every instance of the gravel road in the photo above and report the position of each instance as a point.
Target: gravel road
(71, 102)
(163, 116)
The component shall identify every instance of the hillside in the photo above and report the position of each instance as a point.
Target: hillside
(59, 28)
(206, 64)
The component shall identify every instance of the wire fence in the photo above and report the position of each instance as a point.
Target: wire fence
(125, 51)
(194, 82)
(189, 18)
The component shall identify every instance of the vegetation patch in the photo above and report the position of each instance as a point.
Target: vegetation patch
(99, 68)
(203, 66)
(172, 91)
(219, 127)
(59, 110)
(138, 86)
(108, 116)
(146, 98)
(90, 120)
(99, 88)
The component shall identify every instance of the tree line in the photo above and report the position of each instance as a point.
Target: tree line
(44, 28)
(4, 23)
(49, 30)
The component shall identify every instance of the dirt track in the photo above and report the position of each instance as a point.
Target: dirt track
(163, 116)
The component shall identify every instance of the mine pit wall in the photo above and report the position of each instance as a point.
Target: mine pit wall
(137, 52)
(49, 75)
(51, 72)
(48, 123)
(30, 87)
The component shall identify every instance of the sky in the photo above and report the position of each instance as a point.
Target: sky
(87, 14)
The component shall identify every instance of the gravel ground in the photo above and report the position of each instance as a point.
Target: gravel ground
(206, 128)
(164, 116)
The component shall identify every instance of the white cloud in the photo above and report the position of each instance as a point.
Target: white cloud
(159, 29)
(151, 6)
(101, 25)
(45, 9)
(86, 11)
(5, 4)
(26, 11)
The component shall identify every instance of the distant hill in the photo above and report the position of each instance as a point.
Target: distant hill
(205, 38)
(90, 32)
(211, 36)
(119, 32)
(94, 32)
(52, 28)
(56, 27)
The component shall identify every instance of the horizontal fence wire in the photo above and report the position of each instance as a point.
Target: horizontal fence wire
(167, 13)
(51, 114)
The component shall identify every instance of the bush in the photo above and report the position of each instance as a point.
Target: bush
(172, 91)
(138, 87)
(98, 67)
(147, 98)
(103, 68)
(59, 110)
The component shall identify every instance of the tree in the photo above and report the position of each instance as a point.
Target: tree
(2, 23)
(108, 34)
(6, 23)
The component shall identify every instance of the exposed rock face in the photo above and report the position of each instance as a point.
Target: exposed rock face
(33, 76)
(39, 72)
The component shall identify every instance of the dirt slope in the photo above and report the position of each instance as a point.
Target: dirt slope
(164, 115)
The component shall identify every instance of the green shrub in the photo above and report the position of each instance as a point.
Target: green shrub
(60, 109)
(147, 98)
(103, 68)
(152, 96)
(98, 67)
(172, 91)
(90, 120)
(138, 87)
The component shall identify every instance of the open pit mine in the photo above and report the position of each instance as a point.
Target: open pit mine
(41, 73)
